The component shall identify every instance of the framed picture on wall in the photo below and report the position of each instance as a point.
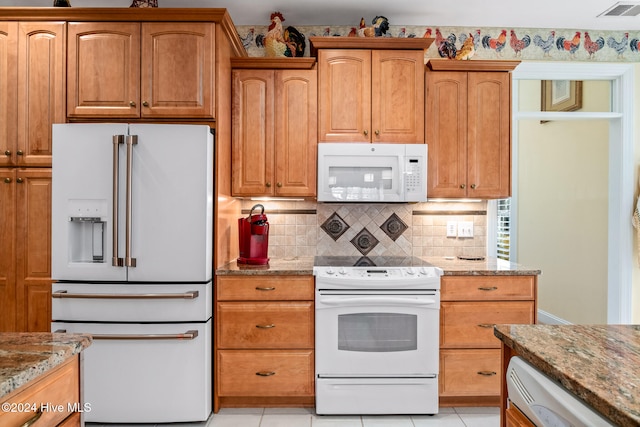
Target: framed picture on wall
(561, 95)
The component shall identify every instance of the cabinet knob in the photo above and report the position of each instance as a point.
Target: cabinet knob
(19, 180)
(7, 180)
(145, 104)
(7, 153)
(365, 132)
(473, 186)
(268, 184)
(463, 186)
(132, 104)
(377, 132)
(279, 185)
(19, 152)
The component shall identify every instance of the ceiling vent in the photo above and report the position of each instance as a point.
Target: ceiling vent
(623, 8)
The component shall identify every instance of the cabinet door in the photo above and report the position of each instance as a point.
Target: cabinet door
(33, 246)
(252, 132)
(344, 97)
(295, 132)
(177, 70)
(8, 250)
(446, 133)
(103, 78)
(41, 89)
(8, 91)
(397, 96)
(489, 137)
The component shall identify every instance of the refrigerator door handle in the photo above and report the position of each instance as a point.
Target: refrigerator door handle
(128, 260)
(188, 335)
(187, 295)
(117, 140)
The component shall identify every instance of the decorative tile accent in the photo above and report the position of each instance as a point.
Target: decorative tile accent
(364, 241)
(364, 262)
(394, 227)
(335, 226)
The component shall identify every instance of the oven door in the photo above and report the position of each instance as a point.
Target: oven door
(365, 335)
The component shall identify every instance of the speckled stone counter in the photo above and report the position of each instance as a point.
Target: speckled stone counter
(26, 356)
(598, 363)
(454, 267)
(279, 266)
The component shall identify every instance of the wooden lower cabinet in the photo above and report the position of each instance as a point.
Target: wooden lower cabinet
(50, 399)
(470, 358)
(264, 341)
(515, 418)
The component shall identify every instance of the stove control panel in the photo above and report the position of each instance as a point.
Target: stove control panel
(378, 273)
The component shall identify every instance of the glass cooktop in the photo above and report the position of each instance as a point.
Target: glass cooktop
(366, 261)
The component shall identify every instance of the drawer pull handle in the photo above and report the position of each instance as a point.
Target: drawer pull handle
(269, 326)
(261, 288)
(488, 288)
(485, 325)
(265, 374)
(487, 373)
(33, 419)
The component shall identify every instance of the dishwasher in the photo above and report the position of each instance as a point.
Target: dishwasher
(545, 402)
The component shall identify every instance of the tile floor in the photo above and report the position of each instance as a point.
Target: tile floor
(306, 417)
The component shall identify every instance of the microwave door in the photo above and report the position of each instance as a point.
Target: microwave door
(371, 179)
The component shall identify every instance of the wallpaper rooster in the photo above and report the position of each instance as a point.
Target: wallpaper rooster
(279, 41)
(618, 46)
(570, 46)
(592, 46)
(467, 50)
(378, 29)
(446, 47)
(496, 44)
(519, 44)
(545, 44)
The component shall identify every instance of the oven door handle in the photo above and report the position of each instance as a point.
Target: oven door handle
(377, 300)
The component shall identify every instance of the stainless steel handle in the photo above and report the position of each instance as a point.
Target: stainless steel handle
(189, 335)
(265, 374)
(31, 421)
(187, 295)
(270, 288)
(269, 326)
(128, 260)
(115, 260)
(487, 373)
(487, 288)
(384, 301)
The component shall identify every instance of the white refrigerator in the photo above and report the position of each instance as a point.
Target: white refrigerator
(132, 233)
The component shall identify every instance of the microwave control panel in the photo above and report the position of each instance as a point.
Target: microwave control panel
(415, 172)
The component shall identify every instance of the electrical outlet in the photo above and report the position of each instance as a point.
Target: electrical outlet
(465, 229)
(452, 229)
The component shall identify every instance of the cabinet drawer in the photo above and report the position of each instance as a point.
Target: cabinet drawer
(56, 389)
(470, 324)
(266, 373)
(265, 325)
(473, 288)
(469, 372)
(261, 288)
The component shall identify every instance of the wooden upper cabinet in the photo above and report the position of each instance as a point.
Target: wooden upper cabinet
(148, 70)
(468, 129)
(274, 132)
(371, 95)
(32, 90)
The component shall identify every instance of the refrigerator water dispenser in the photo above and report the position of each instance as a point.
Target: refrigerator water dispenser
(87, 228)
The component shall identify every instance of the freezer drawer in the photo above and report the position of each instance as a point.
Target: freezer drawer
(146, 373)
(93, 302)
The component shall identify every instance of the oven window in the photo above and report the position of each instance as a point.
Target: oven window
(377, 332)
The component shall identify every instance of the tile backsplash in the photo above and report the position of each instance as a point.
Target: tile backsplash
(302, 228)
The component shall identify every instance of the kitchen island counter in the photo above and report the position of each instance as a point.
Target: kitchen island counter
(26, 356)
(598, 363)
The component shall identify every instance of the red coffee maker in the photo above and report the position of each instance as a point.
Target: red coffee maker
(253, 237)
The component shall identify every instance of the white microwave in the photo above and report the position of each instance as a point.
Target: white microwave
(356, 172)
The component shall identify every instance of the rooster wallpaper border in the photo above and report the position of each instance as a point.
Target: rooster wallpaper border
(490, 43)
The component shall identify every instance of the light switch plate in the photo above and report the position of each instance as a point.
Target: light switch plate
(452, 229)
(465, 229)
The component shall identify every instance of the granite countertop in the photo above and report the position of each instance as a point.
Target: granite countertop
(304, 266)
(598, 363)
(25, 356)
